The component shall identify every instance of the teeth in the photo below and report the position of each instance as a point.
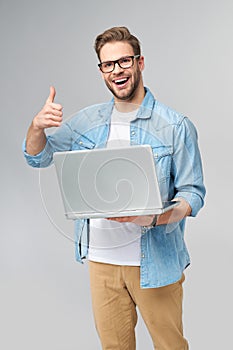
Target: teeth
(120, 80)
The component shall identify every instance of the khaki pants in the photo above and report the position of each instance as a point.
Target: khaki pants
(115, 294)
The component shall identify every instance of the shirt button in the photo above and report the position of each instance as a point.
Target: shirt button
(143, 255)
(156, 155)
(133, 133)
(80, 142)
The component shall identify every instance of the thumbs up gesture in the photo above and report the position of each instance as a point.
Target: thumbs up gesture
(50, 115)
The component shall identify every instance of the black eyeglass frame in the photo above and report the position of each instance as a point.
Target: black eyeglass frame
(117, 61)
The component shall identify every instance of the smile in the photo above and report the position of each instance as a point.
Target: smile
(120, 82)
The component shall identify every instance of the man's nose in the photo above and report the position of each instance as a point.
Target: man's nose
(117, 68)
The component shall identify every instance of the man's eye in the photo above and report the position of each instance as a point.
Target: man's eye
(107, 64)
(125, 60)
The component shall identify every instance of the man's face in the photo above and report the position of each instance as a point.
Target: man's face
(123, 83)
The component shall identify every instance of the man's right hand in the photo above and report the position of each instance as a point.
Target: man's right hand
(50, 115)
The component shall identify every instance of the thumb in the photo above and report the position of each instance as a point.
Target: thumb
(52, 95)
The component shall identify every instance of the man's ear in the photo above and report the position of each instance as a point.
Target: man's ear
(141, 63)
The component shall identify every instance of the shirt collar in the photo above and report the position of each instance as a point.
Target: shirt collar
(147, 105)
(144, 111)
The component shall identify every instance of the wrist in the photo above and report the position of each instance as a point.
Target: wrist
(35, 127)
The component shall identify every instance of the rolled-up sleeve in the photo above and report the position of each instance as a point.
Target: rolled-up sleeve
(40, 160)
(61, 140)
(187, 166)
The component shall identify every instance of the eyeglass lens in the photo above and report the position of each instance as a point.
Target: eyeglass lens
(124, 62)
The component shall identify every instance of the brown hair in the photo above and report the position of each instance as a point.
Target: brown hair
(117, 34)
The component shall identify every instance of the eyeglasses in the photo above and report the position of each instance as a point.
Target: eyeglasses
(123, 62)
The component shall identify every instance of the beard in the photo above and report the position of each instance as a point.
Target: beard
(131, 92)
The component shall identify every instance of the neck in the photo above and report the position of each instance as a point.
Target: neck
(131, 104)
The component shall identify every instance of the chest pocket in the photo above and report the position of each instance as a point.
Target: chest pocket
(82, 142)
(163, 159)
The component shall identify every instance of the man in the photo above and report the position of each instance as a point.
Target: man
(133, 261)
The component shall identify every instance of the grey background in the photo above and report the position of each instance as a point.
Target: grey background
(44, 294)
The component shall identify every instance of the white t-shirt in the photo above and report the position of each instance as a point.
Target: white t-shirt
(110, 241)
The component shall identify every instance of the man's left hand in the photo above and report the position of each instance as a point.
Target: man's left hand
(178, 213)
(144, 220)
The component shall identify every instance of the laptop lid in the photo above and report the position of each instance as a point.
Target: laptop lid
(109, 182)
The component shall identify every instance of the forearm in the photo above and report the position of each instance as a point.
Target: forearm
(35, 140)
(182, 210)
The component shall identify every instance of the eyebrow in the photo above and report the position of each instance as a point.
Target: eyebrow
(116, 59)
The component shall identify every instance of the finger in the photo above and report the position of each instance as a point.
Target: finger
(49, 110)
(119, 219)
(52, 95)
(56, 106)
(55, 121)
(53, 124)
(54, 118)
(56, 112)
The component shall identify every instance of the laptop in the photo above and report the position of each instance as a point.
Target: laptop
(102, 183)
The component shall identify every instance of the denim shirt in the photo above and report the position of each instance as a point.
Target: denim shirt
(173, 139)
